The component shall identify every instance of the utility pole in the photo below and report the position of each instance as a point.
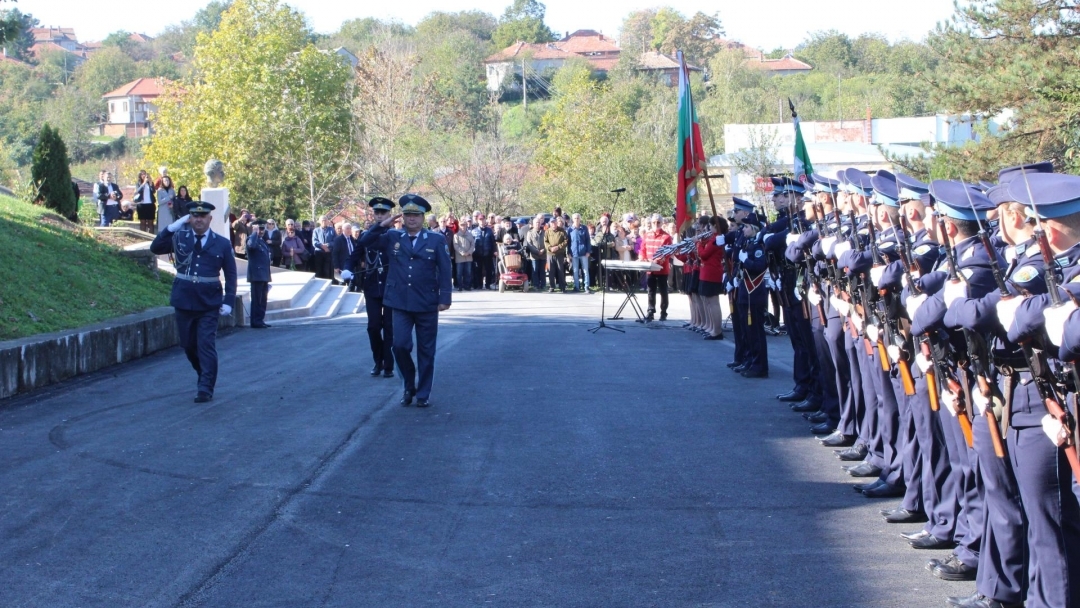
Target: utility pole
(524, 93)
(839, 104)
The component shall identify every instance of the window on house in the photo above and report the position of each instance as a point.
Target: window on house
(125, 106)
(112, 107)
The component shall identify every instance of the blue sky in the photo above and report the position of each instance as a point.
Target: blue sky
(766, 24)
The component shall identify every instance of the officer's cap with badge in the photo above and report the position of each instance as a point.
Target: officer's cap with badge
(381, 204)
(414, 204)
(1001, 194)
(742, 204)
(957, 200)
(909, 189)
(1055, 195)
(885, 189)
(785, 184)
(824, 184)
(199, 208)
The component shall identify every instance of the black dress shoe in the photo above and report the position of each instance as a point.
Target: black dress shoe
(738, 369)
(423, 403)
(792, 396)
(663, 316)
(752, 374)
(716, 337)
(862, 487)
(952, 569)
(910, 536)
(855, 453)
(886, 490)
(825, 428)
(260, 326)
(375, 371)
(734, 364)
(817, 417)
(863, 469)
(934, 563)
(838, 440)
(806, 405)
(406, 398)
(900, 515)
(980, 601)
(388, 373)
(203, 397)
(931, 542)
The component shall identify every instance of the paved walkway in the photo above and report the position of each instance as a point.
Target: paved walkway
(557, 468)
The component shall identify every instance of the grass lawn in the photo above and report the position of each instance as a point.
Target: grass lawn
(56, 275)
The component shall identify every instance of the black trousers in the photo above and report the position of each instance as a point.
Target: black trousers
(557, 272)
(426, 325)
(483, 271)
(197, 331)
(380, 330)
(259, 292)
(321, 263)
(658, 282)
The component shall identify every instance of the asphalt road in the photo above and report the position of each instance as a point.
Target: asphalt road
(557, 468)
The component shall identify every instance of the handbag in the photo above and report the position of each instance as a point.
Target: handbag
(138, 196)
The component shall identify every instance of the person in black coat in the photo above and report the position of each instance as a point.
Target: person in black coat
(258, 274)
(273, 238)
(344, 246)
(370, 266)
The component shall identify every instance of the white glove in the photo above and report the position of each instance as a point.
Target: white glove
(1055, 320)
(904, 281)
(827, 245)
(840, 306)
(875, 275)
(923, 362)
(743, 256)
(872, 333)
(953, 291)
(857, 320)
(813, 296)
(346, 275)
(913, 303)
(791, 239)
(178, 224)
(979, 400)
(720, 242)
(770, 283)
(894, 352)
(1006, 310)
(842, 248)
(1053, 429)
(225, 310)
(950, 401)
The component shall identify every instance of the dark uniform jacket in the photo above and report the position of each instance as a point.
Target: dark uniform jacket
(419, 278)
(216, 256)
(371, 269)
(258, 268)
(339, 251)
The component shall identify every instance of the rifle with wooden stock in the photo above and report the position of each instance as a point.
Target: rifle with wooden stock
(961, 388)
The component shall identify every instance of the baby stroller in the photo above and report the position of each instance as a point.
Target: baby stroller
(510, 275)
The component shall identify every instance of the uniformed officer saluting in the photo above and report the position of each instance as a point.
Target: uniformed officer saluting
(417, 289)
(201, 256)
(372, 263)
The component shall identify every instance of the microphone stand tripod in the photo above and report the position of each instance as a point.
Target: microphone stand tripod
(604, 277)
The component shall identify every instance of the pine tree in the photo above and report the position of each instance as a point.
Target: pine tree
(51, 173)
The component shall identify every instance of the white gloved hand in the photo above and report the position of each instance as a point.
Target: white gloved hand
(842, 248)
(813, 296)
(225, 310)
(913, 303)
(791, 239)
(1055, 320)
(979, 400)
(840, 306)
(953, 291)
(720, 241)
(875, 275)
(950, 401)
(743, 256)
(904, 281)
(894, 353)
(827, 245)
(1054, 430)
(346, 275)
(857, 320)
(178, 224)
(1006, 310)
(923, 362)
(872, 333)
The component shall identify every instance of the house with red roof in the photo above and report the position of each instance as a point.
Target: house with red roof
(131, 107)
(599, 50)
(664, 67)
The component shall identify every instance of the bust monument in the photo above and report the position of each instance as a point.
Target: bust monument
(215, 172)
(216, 196)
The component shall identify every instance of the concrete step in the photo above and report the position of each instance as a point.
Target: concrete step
(303, 304)
(351, 304)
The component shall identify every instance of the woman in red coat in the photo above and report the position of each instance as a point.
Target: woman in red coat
(710, 282)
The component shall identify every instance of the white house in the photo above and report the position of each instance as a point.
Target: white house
(131, 107)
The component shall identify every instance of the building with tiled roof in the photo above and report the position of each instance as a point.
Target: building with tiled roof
(61, 36)
(131, 107)
(785, 66)
(664, 67)
(599, 50)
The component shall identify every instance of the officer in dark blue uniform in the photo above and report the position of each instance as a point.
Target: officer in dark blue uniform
(752, 299)
(734, 240)
(418, 287)
(373, 265)
(258, 274)
(201, 257)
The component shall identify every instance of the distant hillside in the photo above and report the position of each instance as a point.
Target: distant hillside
(55, 275)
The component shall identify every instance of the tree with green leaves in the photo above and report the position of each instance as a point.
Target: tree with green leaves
(51, 174)
(105, 70)
(522, 21)
(15, 34)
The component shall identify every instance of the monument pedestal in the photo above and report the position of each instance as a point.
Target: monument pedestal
(219, 217)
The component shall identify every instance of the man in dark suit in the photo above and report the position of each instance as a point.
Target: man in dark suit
(372, 265)
(201, 256)
(258, 274)
(344, 246)
(417, 289)
(273, 239)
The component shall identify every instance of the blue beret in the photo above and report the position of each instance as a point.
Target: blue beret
(414, 203)
(1054, 194)
(1008, 174)
(199, 207)
(956, 200)
(885, 190)
(824, 184)
(860, 181)
(909, 188)
(381, 204)
(742, 205)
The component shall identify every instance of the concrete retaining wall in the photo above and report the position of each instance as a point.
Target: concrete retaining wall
(46, 359)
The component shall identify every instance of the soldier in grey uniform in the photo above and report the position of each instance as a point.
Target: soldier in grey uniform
(418, 288)
(258, 274)
(201, 257)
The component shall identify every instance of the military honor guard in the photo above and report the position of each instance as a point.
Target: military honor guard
(373, 265)
(197, 296)
(417, 289)
(258, 274)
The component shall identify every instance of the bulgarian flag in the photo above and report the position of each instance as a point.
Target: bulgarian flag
(803, 168)
(691, 161)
